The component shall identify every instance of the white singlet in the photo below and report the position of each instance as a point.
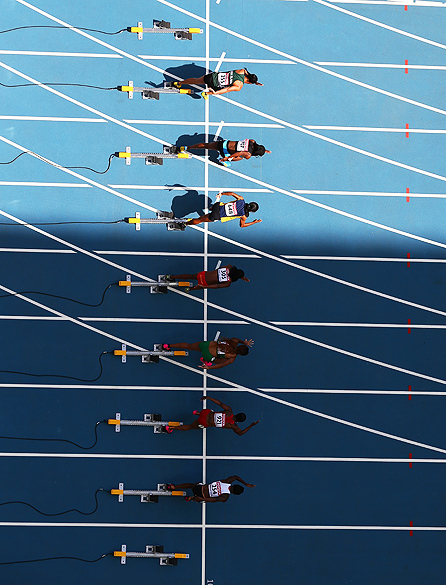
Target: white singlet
(219, 419)
(217, 488)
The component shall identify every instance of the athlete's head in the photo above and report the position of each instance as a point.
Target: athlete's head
(258, 149)
(242, 350)
(240, 417)
(235, 273)
(252, 78)
(236, 489)
(251, 208)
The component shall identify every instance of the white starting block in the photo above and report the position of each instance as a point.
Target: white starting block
(161, 287)
(162, 217)
(149, 357)
(154, 93)
(149, 420)
(152, 552)
(161, 26)
(151, 496)
(154, 158)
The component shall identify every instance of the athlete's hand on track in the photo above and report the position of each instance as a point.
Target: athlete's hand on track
(255, 423)
(251, 485)
(249, 342)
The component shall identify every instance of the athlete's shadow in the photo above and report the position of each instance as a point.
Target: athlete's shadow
(183, 72)
(188, 139)
(191, 202)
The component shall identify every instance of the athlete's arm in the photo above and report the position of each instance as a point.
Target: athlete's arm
(237, 478)
(236, 86)
(244, 224)
(219, 285)
(238, 431)
(230, 193)
(222, 364)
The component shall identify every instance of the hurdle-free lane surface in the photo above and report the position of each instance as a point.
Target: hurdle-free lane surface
(345, 303)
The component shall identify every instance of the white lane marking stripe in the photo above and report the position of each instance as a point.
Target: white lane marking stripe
(57, 54)
(111, 387)
(302, 62)
(222, 458)
(371, 129)
(126, 320)
(37, 250)
(367, 259)
(382, 25)
(378, 392)
(36, 184)
(179, 254)
(189, 188)
(189, 123)
(367, 325)
(227, 526)
(219, 129)
(381, 65)
(220, 61)
(226, 60)
(370, 193)
(52, 119)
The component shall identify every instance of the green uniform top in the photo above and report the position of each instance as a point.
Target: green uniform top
(224, 79)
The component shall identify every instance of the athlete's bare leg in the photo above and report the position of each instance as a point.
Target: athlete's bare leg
(179, 276)
(193, 81)
(191, 346)
(202, 145)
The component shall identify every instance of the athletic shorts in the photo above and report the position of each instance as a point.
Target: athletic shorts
(197, 490)
(202, 419)
(204, 348)
(201, 277)
(208, 80)
(215, 212)
(222, 147)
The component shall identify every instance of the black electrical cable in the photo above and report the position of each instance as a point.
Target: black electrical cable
(88, 169)
(58, 375)
(60, 513)
(75, 84)
(57, 558)
(37, 292)
(62, 440)
(64, 222)
(67, 27)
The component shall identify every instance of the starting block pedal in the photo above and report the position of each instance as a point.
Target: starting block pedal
(149, 420)
(161, 287)
(154, 92)
(162, 26)
(149, 357)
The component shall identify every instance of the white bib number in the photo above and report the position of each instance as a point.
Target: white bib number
(223, 79)
(219, 419)
(223, 275)
(231, 209)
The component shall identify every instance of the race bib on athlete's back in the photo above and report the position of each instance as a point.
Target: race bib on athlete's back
(219, 419)
(223, 275)
(231, 209)
(224, 78)
(214, 489)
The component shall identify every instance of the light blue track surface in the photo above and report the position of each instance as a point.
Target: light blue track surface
(328, 305)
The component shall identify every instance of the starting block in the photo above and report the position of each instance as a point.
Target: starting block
(149, 420)
(161, 26)
(162, 217)
(152, 552)
(149, 357)
(154, 158)
(161, 287)
(151, 496)
(154, 93)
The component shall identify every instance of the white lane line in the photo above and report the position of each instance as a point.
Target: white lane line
(57, 54)
(381, 65)
(228, 526)
(37, 250)
(381, 25)
(367, 259)
(127, 320)
(366, 325)
(52, 119)
(222, 457)
(377, 392)
(179, 254)
(302, 62)
(219, 129)
(188, 188)
(371, 194)
(371, 129)
(411, 3)
(215, 59)
(36, 184)
(189, 123)
(220, 61)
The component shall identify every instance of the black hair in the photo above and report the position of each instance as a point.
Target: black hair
(251, 207)
(258, 149)
(235, 273)
(252, 78)
(240, 417)
(237, 489)
(242, 350)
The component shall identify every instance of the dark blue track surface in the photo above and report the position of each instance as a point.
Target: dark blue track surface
(345, 304)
